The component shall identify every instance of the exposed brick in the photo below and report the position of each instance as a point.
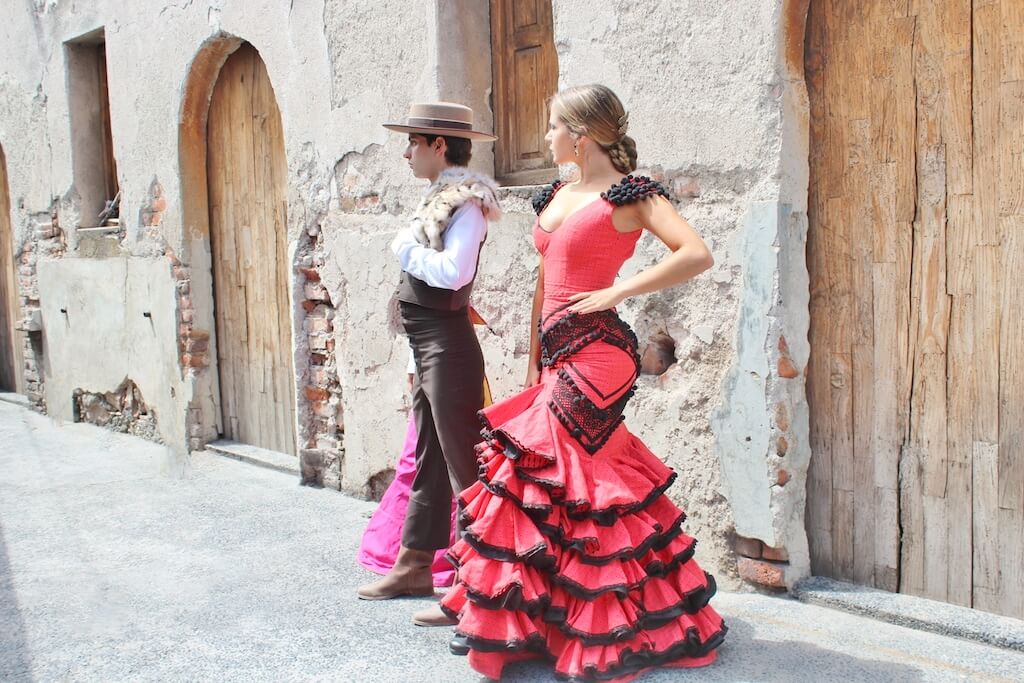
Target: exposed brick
(310, 274)
(317, 358)
(786, 368)
(367, 201)
(749, 547)
(316, 393)
(316, 325)
(327, 443)
(782, 446)
(685, 186)
(308, 305)
(762, 572)
(186, 315)
(315, 291)
(193, 360)
(781, 416)
(323, 408)
(197, 345)
(783, 345)
(783, 477)
(320, 377)
(775, 554)
(322, 311)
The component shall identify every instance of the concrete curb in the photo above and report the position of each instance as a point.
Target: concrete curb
(913, 612)
(260, 457)
(16, 399)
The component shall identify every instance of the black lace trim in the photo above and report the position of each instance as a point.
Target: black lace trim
(690, 647)
(573, 331)
(578, 509)
(634, 188)
(657, 540)
(590, 425)
(543, 196)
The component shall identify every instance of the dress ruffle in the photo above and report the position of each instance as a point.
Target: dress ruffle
(575, 557)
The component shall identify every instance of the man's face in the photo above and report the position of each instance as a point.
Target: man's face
(425, 160)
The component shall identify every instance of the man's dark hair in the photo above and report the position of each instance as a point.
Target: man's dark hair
(458, 151)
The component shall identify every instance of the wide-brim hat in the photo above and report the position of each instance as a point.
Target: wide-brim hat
(440, 118)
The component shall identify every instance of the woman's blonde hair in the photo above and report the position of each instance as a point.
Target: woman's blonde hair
(595, 111)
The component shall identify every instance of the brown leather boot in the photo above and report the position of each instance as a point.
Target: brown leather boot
(433, 616)
(411, 575)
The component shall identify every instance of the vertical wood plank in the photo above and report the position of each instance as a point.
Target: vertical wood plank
(986, 94)
(887, 435)
(1011, 369)
(1011, 147)
(985, 518)
(864, 529)
(960, 447)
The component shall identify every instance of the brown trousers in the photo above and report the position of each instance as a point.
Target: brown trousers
(447, 393)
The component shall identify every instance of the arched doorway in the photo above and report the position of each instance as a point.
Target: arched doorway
(916, 257)
(247, 192)
(12, 371)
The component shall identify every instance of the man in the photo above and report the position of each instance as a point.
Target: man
(438, 254)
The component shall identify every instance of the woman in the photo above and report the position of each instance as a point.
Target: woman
(570, 550)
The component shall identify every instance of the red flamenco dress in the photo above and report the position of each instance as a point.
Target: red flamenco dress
(570, 549)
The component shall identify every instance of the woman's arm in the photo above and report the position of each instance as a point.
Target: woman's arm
(690, 256)
(533, 370)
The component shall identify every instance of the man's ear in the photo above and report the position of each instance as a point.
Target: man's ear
(440, 145)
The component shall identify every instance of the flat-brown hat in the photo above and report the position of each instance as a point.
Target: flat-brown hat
(440, 118)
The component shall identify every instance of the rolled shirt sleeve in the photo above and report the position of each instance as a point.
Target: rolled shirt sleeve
(453, 267)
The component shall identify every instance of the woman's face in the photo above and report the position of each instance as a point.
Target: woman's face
(560, 140)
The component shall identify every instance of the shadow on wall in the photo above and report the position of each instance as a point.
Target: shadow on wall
(15, 664)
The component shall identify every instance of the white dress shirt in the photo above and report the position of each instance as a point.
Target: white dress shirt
(453, 267)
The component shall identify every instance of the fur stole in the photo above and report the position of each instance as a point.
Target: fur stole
(454, 187)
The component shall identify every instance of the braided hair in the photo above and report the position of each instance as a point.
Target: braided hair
(595, 111)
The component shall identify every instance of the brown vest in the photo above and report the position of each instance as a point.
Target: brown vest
(413, 290)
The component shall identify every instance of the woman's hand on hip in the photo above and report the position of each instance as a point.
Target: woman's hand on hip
(532, 377)
(598, 300)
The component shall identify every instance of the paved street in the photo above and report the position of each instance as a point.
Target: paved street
(118, 562)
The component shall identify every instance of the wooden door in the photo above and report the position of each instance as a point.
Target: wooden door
(246, 172)
(525, 72)
(916, 253)
(12, 365)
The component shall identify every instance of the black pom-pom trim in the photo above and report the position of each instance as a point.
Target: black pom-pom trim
(634, 188)
(543, 196)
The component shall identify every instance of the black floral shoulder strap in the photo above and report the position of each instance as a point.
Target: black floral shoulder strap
(542, 197)
(634, 188)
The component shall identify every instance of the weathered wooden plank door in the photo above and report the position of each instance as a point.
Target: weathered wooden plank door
(12, 365)
(525, 73)
(916, 253)
(246, 170)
